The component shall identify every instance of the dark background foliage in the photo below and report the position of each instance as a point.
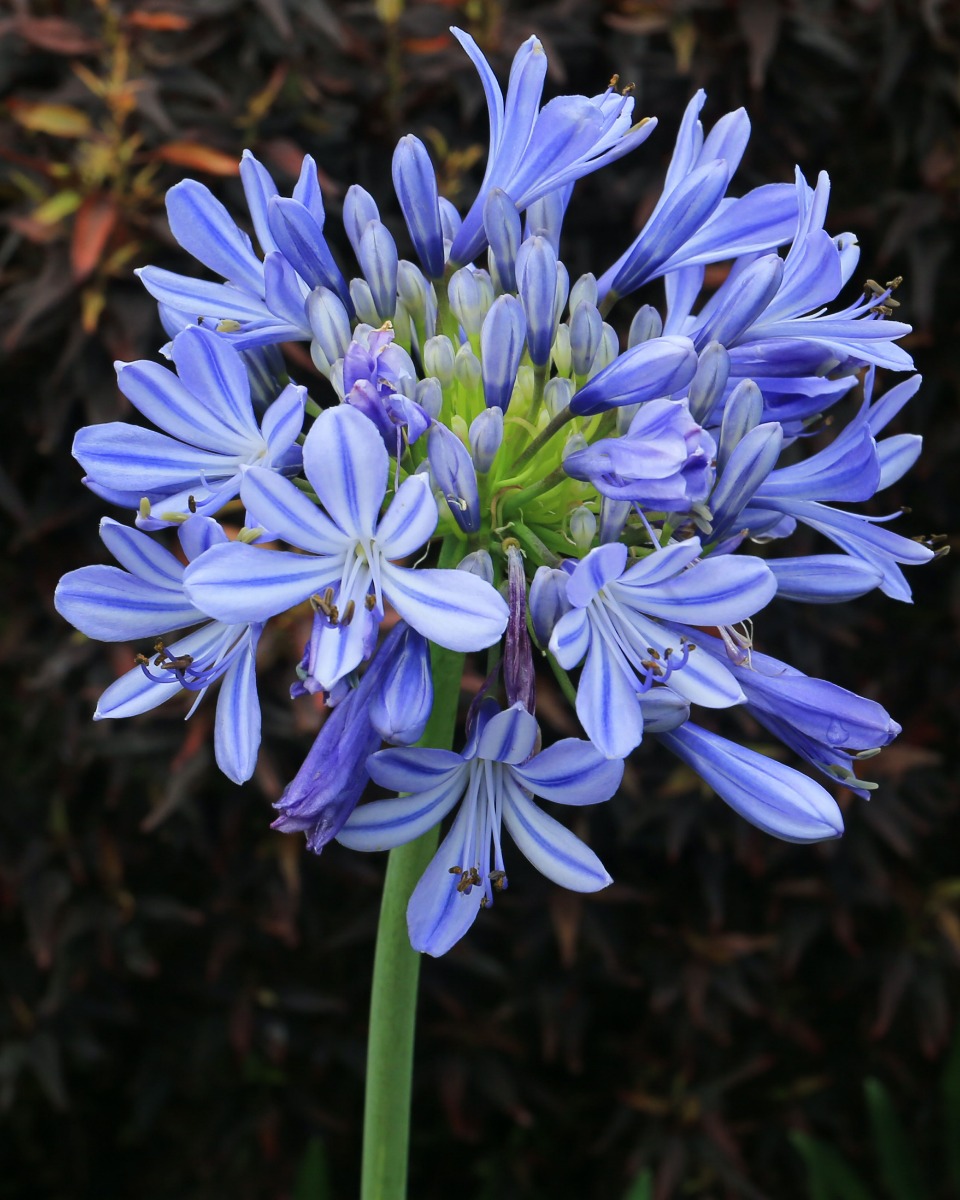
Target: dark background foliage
(184, 992)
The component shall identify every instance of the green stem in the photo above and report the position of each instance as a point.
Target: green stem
(544, 436)
(396, 968)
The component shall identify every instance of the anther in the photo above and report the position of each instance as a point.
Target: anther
(192, 503)
(370, 602)
(456, 870)
(348, 613)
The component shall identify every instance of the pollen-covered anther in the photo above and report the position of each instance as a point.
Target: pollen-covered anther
(348, 612)
(498, 880)
(192, 503)
(370, 602)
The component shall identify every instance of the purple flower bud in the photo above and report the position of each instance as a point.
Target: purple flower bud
(755, 288)
(478, 563)
(439, 359)
(537, 281)
(417, 297)
(359, 209)
(586, 331)
(455, 476)
(364, 305)
(607, 351)
(416, 186)
(486, 434)
(450, 219)
(706, 388)
(545, 216)
(400, 709)
(501, 348)
(645, 326)
(548, 602)
(656, 368)
(377, 255)
(501, 223)
(519, 679)
(584, 290)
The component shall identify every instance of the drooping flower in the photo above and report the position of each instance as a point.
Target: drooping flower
(147, 599)
(494, 781)
(348, 551)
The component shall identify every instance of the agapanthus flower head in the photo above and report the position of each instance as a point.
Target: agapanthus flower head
(486, 465)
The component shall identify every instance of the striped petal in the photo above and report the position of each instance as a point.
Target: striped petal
(607, 703)
(141, 555)
(383, 824)
(571, 771)
(410, 520)
(438, 915)
(551, 847)
(452, 608)
(237, 729)
(108, 604)
(280, 506)
(345, 459)
(240, 583)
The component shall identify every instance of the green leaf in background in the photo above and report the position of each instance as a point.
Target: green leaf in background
(899, 1172)
(950, 1092)
(313, 1178)
(642, 1186)
(829, 1175)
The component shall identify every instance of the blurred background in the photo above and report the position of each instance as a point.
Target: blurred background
(184, 992)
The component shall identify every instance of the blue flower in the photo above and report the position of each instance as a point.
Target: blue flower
(493, 780)
(692, 224)
(148, 599)
(534, 151)
(348, 551)
(615, 624)
(664, 461)
(261, 302)
(211, 436)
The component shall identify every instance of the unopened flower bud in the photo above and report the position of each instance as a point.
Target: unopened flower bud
(645, 325)
(557, 394)
(415, 183)
(548, 602)
(742, 412)
(363, 302)
(455, 476)
(537, 281)
(478, 563)
(706, 388)
(486, 434)
(519, 680)
(377, 255)
(439, 358)
(583, 527)
(586, 331)
(401, 706)
(501, 348)
(501, 223)
(359, 209)
(429, 395)
(466, 300)
(329, 324)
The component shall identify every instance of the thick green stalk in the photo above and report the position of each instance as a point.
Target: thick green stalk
(396, 971)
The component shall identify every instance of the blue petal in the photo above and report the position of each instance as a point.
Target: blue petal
(715, 591)
(141, 555)
(897, 455)
(197, 535)
(570, 639)
(410, 520)
(774, 797)
(108, 604)
(607, 703)
(571, 771)
(202, 299)
(594, 572)
(239, 583)
(259, 189)
(283, 420)
(383, 824)
(417, 769)
(765, 217)
(509, 737)
(279, 506)
(345, 460)
(302, 243)
(172, 407)
(550, 846)
(215, 373)
(205, 229)
(237, 729)
(135, 693)
(824, 578)
(452, 608)
(127, 458)
(438, 915)
(415, 183)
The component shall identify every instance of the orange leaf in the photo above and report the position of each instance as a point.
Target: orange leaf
(59, 119)
(94, 223)
(55, 34)
(199, 157)
(162, 21)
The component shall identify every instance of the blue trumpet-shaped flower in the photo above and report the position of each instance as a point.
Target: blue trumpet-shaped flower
(615, 625)
(535, 151)
(494, 781)
(212, 434)
(147, 599)
(348, 551)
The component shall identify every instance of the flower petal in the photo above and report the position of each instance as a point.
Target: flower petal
(410, 520)
(279, 506)
(571, 771)
(239, 583)
(770, 795)
(438, 915)
(108, 604)
(607, 703)
(600, 566)
(570, 639)
(452, 608)
(416, 769)
(142, 555)
(215, 373)
(383, 824)
(237, 730)
(509, 737)
(550, 846)
(345, 459)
